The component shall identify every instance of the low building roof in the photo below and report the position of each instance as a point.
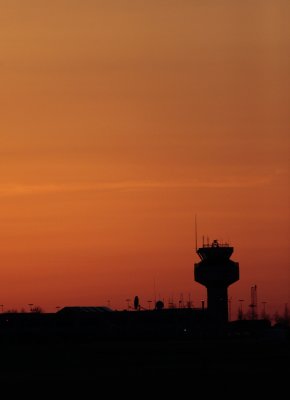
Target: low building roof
(84, 310)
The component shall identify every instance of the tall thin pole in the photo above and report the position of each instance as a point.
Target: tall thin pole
(195, 224)
(240, 312)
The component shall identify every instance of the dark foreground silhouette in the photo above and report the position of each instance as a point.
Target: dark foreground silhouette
(157, 349)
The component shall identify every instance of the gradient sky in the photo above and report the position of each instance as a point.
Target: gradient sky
(121, 120)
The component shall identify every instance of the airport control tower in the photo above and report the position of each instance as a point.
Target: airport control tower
(216, 271)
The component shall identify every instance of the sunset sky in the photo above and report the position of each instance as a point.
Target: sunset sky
(123, 119)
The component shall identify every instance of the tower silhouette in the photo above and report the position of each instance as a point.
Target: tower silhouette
(216, 271)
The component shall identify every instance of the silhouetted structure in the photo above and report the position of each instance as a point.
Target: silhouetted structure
(136, 303)
(216, 271)
(76, 310)
(159, 305)
(254, 303)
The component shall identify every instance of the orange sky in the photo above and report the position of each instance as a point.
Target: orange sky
(121, 120)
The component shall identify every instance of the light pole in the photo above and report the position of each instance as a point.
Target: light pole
(30, 305)
(149, 302)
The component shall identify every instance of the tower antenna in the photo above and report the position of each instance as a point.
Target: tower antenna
(195, 223)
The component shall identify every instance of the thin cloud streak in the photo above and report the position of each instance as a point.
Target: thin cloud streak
(23, 189)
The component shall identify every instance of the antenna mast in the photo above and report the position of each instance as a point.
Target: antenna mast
(254, 303)
(195, 223)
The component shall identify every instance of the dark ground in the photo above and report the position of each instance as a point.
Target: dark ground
(219, 365)
(139, 354)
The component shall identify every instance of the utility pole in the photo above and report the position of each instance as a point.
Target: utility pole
(253, 305)
(149, 302)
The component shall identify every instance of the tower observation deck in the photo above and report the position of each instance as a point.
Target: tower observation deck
(216, 271)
